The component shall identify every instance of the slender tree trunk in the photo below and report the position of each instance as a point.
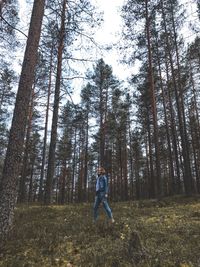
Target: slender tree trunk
(81, 167)
(183, 130)
(148, 172)
(22, 182)
(196, 138)
(196, 112)
(62, 183)
(137, 177)
(168, 52)
(171, 173)
(152, 175)
(103, 121)
(131, 162)
(125, 171)
(153, 103)
(86, 159)
(173, 134)
(195, 152)
(40, 195)
(30, 194)
(101, 141)
(74, 166)
(52, 148)
(120, 173)
(9, 182)
(180, 109)
(115, 168)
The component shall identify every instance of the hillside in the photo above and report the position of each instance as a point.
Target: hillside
(146, 233)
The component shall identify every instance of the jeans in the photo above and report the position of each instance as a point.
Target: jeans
(100, 198)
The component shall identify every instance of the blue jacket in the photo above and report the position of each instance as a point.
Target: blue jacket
(102, 184)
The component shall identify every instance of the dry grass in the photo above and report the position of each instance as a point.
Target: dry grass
(147, 234)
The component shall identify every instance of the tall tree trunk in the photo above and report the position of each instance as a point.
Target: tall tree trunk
(101, 141)
(103, 121)
(169, 55)
(86, 159)
(153, 104)
(173, 133)
(52, 148)
(125, 171)
(120, 173)
(194, 148)
(148, 172)
(73, 166)
(196, 138)
(137, 177)
(9, 182)
(131, 161)
(152, 193)
(40, 195)
(171, 173)
(181, 117)
(81, 167)
(187, 176)
(30, 194)
(62, 184)
(22, 182)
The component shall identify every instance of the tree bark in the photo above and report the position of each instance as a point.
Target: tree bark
(9, 182)
(73, 166)
(22, 182)
(173, 134)
(52, 148)
(153, 104)
(40, 195)
(171, 173)
(151, 182)
(187, 176)
(86, 158)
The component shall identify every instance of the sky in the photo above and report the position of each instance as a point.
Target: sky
(109, 33)
(110, 30)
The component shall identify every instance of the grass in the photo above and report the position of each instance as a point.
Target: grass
(146, 234)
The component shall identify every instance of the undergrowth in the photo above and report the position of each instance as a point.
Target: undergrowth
(146, 234)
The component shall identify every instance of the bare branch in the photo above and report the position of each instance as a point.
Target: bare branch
(12, 26)
(80, 59)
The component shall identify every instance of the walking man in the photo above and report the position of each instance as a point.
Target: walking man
(102, 194)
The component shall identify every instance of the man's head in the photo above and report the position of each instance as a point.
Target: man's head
(101, 171)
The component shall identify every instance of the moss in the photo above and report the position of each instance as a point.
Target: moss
(146, 234)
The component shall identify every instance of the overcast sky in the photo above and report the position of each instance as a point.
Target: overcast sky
(110, 33)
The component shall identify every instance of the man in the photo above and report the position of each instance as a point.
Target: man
(102, 194)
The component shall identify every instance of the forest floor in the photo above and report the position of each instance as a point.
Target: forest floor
(146, 233)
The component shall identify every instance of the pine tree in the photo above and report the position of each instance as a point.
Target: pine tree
(8, 186)
(52, 148)
(74, 17)
(86, 102)
(64, 154)
(7, 95)
(103, 84)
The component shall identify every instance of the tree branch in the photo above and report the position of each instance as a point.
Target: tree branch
(12, 26)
